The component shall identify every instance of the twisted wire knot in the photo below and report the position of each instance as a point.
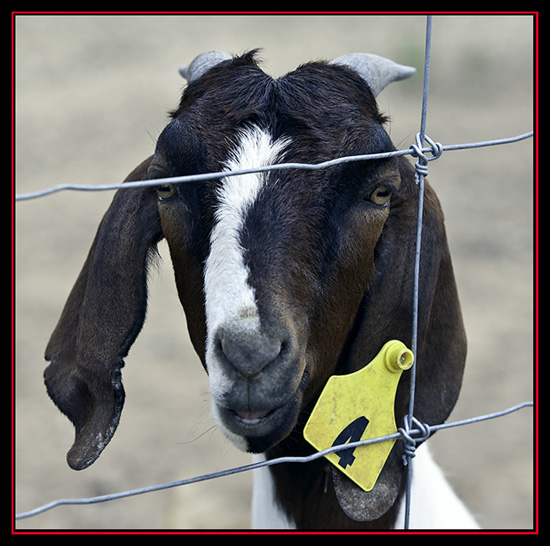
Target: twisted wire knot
(421, 166)
(409, 451)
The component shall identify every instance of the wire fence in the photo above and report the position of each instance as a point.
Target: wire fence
(412, 432)
(412, 436)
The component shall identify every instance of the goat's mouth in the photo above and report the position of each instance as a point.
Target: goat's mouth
(257, 431)
(252, 417)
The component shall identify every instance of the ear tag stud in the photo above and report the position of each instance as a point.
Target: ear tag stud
(360, 406)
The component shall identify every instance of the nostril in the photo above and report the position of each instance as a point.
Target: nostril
(249, 351)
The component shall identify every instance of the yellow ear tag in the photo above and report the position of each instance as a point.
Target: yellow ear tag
(360, 406)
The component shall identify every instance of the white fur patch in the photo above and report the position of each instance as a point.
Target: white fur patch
(229, 296)
(266, 514)
(434, 504)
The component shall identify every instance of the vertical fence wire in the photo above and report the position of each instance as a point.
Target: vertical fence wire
(420, 182)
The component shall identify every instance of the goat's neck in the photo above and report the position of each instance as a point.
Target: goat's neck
(305, 493)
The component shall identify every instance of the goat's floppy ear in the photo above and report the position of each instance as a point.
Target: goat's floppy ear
(101, 319)
(387, 314)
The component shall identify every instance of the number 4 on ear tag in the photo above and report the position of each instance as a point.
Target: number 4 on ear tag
(360, 406)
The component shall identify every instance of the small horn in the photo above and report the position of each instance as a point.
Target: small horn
(201, 64)
(377, 71)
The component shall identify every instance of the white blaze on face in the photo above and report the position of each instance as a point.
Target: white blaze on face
(229, 297)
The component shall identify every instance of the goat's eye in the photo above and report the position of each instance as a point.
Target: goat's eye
(166, 191)
(381, 195)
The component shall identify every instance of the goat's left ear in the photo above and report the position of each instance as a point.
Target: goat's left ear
(387, 314)
(101, 319)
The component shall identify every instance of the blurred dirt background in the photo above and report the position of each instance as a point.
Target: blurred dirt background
(92, 95)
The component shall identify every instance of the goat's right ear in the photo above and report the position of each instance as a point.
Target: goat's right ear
(101, 319)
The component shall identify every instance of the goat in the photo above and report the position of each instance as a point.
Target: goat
(285, 277)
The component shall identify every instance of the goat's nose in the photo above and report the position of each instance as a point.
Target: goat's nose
(249, 351)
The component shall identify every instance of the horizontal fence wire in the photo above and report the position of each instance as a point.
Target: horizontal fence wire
(280, 166)
(410, 435)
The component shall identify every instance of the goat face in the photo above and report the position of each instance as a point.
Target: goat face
(288, 255)
(286, 277)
